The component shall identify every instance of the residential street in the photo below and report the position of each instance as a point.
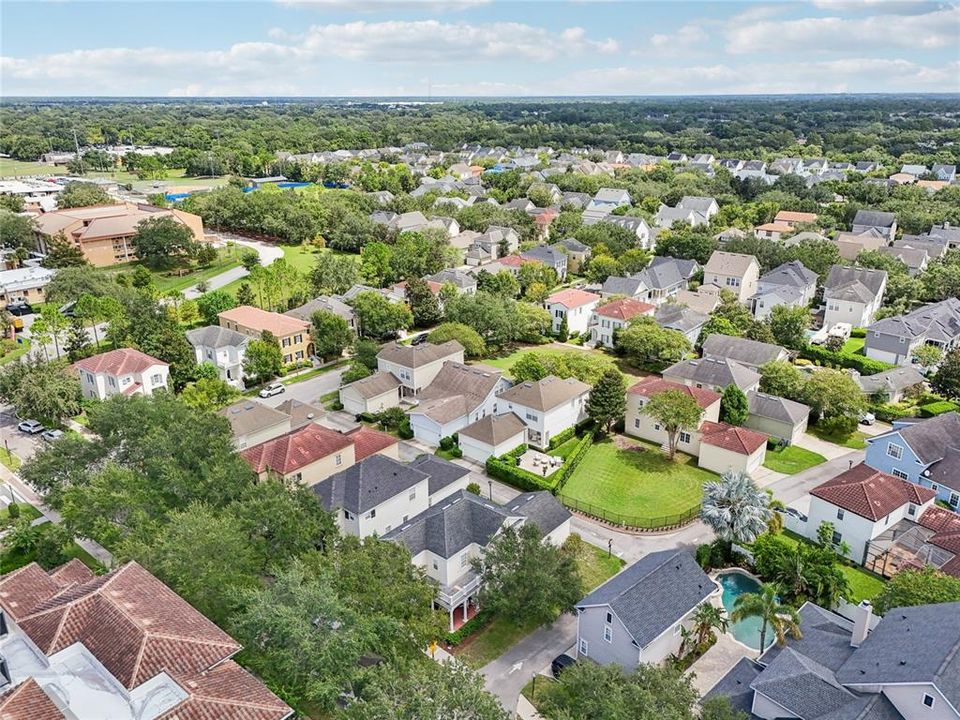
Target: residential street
(268, 253)
(308, 391)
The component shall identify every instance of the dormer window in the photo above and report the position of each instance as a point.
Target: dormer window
(928, 700)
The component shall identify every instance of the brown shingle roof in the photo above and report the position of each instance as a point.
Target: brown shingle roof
(457, 390)
(870, 493)
(260, 320)
(648, 387)
(28, 701)
(545, 394)
(294, 450)
(377, 384)
(495, 429)
(122, 361)
(413, 356)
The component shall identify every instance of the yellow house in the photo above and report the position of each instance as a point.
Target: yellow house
(292, 334)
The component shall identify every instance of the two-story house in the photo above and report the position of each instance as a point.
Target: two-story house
(578, 254)
(614, 316)
(445, 538)
(663, 279)
(547, 406)
(415, 366)
(124, 370)
(549, 256)
(458, 396)
(926, 453)
(735, 272)
(291, 333)
(636, 225)
(713, 374)
(639, 615)
(749, 353)
(790, 284)
(222, 348)
(853, 295)
(884, 222)
(895, 339)
(694, 211)
(326, 303)
(603, 203)
(576, 306)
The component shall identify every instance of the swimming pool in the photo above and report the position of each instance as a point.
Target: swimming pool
(735, 583)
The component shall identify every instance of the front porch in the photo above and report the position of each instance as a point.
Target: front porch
(460, 601)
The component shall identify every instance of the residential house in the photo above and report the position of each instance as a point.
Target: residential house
(380, 493)
(638, 424)
(326, 303)
(793, 218)
(891, 385)
(735, 272)
(549, 256)
(637, 225)
(119, 646)
(749, 353)
(895, 339)
(785, 420)
(694, 211)
(416, 366)
(458, 396)
(24, 284)
(576, 200)
(495, 243)
(862, 503)
(772, 231)
(223, 348)
(124, 370)
(371, 395)
(853, 295)
(926, 453)
(492, 435)
(675, 316)
(914, 258)
(851, 244)
(945, 233)
(676, 157)
(575, 305)
(914, 170)
(867, 166)
(613, 316)
(713, 374)
(445, 538)
(657, 283)
(547, 407)
(885, 222)
(604, 203)
(944, 173)
(786, 166)
(578, 254)
(252, 422)
(312, 452)
(790, 284)
(900, 668)
(291, 333)
(104, 233)
(701, 302)
(639, 615)
(552, 191)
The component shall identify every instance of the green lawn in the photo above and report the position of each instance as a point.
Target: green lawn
(9, 167)
(19, 351)
(492, 640)
(10, 460)
(169, 280)
(301, 257)
(595, 566)
(854, 346)
(792, 459)
(26, 511)
(505, 362)
(864, 585)
(638, 486)
(855, 441)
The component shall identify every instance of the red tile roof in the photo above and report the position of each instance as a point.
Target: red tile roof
(946, 527)
(515, 261)
(28, 701)
(729, 437)
(299, 448)
(226, 692)
(122, 361)
(625, 309)
(870, 493)
(572, 297)
(367, 442)
(650, 386)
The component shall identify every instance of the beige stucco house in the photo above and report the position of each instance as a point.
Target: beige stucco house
(735, 272)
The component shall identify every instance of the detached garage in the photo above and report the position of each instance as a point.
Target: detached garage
(492, 435)
(726, 447)
(371, 395)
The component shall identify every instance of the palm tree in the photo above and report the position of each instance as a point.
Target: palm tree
(783, 619)
(736, 509)
(791, 573)
(706, 619)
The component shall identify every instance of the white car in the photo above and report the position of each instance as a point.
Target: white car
(867, 418)
(31, 427)
(271, 390)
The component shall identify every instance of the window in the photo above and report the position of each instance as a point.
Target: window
(111, 380)
(837, 537)
(435, 566)
(609, 618)
(412, 496)
(911, 509)
(954, 499)
(339, 459)
(297, 339)
(285, 343)
(287, 359)
(532, 417)
(607, 634)
(347, 515)
(928, 700)
(899, 474)
(934, 487)
(839, 513)
(463, 559)
(894, 451)
(583, 647)
(636, 423)
(3, 624)
(684, 437)
(156, 379)
(387, 529)
(656, 426)
(372, 514)
(296, 477)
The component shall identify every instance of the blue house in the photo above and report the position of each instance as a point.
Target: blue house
(926, 453)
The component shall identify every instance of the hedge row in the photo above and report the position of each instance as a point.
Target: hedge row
(505, 468)
(938, 408)
(860, 363)
(482, 617)
(858, 333)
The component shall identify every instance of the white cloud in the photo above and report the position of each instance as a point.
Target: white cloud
(932, 30)
(686, 37)
(375, 6)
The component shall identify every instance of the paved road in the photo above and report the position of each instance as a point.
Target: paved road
(19, 443)
(267, 252)
(308, 391)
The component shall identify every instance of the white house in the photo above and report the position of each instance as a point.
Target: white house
(458, 396)
(615, 315)
(492, 435)
(124, 370)
(371, 395)
(853, 295)
(547, 407)
(415, 366)
(639, 615)
(223, 348)
(575, 305)
(790, 284)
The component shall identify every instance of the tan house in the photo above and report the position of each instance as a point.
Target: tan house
(24, 284)
(371, 395)
(313, 453)
(292, 333)
(104, 232)
(415, 366)
(794, 218)
(735, 272)
(252, 422)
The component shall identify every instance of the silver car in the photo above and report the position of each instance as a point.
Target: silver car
(271, 390)
(31, 427)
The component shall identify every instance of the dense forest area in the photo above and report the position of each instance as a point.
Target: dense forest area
(907, 128)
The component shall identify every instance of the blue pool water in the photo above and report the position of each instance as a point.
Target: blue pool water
(746, 631)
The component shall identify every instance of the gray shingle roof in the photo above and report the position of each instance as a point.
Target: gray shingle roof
(854, 283)
(375, 385)
(545, 254)
(541, 508)
(413, 356)
(874, 218)
(628, 286)
(735, 685)
(777, 408)
(746, 352)
(495, 429)
(247, 416)
(545, 394)
(573, 245)
(679, 317)
(442, 472)
(793, 274)
(216, 337)
(826, 637)
(457, 390)
(894, 380)
(801, 685)
(937, 321)
(365, 485)
(324, 302)
(716, 373)
(930, 438)
(697, 204)
(653, 593)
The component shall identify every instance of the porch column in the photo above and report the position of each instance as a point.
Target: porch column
(451, 620)
(466, 602)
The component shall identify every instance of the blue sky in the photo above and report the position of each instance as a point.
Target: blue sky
(477, 47)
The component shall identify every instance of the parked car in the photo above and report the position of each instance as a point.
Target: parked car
(51, 436)
(20, 308)
(31, 427)
(272, 389)
(561, 663)
(867, 418)
(420, 339)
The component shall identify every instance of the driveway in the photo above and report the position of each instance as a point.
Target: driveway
(19, 443)
(308, 391)
(794, 487)
(267, 252)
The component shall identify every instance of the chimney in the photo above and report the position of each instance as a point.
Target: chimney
(861, 624)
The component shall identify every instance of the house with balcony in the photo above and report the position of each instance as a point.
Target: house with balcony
(547, 407)
(122, 371)
(614, 316)
(415, 366)
(574, 305)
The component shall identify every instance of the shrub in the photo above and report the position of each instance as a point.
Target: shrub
(937, 408)
(447, 443)
(405, 431)
(840, 359)
(471, 626)
(336, 406)
(13, 511)
(505, 468)
(888, 412)
(473, 488)
(704, 555)
(561, 437)
(858, 333)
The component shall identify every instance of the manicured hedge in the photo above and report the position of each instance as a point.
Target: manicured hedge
(858, 333)
(888, 412)
(505, 468)
(862, 364)
(561, 438)
(471, 626)
(938, 408)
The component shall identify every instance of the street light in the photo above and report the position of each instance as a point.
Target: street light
(609, 547)
(490, 488)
